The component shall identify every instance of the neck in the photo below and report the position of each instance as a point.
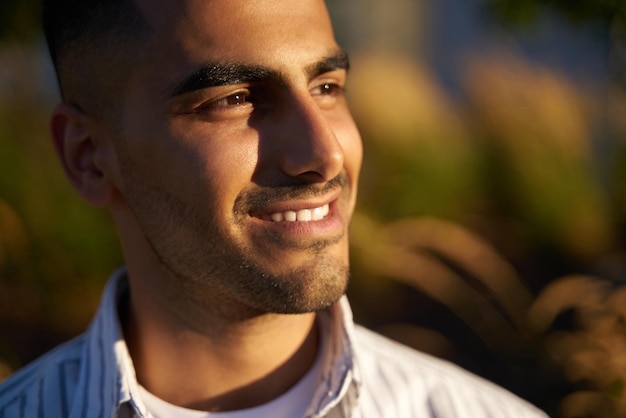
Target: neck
(208, 353)
(223, 365)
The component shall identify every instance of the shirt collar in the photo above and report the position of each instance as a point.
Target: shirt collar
(339, 388)
(114, 387)
(108, 376)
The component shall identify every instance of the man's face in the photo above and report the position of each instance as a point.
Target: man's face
(238, 156)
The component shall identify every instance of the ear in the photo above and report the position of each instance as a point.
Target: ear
(72, 133)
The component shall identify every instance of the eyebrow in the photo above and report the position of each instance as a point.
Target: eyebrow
(337, 61)
(214, 74)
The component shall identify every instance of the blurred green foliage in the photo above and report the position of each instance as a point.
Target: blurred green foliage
(527, 11)
(19, 20)
(480, 204)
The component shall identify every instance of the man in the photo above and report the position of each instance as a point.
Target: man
(218, 136)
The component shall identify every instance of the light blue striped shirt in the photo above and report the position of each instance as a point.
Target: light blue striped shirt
(364, 375)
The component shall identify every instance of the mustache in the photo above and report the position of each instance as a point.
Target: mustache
(260, 197)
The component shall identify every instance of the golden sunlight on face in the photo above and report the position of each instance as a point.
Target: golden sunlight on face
(241, 159)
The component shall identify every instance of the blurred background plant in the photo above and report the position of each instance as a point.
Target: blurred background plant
(489, 229)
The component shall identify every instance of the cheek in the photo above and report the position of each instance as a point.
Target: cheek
(219, 160)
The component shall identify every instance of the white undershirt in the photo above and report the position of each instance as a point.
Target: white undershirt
(291, 404)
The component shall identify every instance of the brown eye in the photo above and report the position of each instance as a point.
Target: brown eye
(327, 89)
(232, 100)
(235, 101)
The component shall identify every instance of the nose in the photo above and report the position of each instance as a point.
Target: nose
(308, 147)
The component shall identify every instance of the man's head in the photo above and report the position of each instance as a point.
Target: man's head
(231, 162)
(91, 43)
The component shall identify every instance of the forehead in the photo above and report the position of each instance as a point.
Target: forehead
(267, 32)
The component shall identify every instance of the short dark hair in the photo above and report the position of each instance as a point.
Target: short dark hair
(83, 29)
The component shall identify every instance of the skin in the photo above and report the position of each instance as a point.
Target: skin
(192, 165)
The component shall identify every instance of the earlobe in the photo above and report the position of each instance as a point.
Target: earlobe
(72, 134)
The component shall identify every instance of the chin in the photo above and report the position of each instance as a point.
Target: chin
(303, 290)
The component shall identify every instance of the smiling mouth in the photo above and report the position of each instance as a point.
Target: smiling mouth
(302, 215)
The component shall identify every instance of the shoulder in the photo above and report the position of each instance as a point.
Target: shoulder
(46, 383)
(394, 373)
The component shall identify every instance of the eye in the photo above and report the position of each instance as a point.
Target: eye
(236, 99)
(327, 89)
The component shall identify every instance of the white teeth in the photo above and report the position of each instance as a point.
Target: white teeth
(290, 216)
(303, 215)
(318, 213)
